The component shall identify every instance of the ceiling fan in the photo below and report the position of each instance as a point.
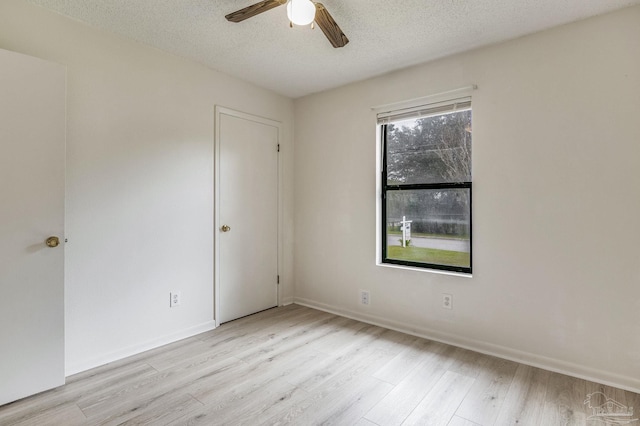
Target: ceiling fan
(300, 12)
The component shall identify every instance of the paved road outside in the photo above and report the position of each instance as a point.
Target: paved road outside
(434, 243)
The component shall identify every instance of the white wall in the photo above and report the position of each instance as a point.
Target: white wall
(556, 207)
(139, 183)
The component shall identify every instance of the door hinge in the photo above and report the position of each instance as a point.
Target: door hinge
(278, 147)
(278, 279)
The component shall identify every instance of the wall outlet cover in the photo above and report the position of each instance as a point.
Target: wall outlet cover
(365, 297)
(175, 299)
(447, 301)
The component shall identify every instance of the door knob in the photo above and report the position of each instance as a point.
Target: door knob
(52, 242)
(225, 228)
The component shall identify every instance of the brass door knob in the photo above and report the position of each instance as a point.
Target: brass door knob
(52, 242)
(225, 228)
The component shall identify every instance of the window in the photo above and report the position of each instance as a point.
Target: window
(426, 186)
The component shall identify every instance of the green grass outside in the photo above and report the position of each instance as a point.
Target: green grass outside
(423, 235)
(427, 255)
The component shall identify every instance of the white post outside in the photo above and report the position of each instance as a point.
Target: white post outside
(406, 230)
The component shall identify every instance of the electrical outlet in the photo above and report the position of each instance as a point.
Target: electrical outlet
(175, 298)
(364, 297)
(447, 301)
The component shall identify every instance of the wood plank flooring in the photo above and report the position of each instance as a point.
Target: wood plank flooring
(295, 365)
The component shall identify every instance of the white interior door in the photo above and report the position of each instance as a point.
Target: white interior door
(32, 152)
(246, 214)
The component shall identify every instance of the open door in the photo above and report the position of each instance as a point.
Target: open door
(32, 154)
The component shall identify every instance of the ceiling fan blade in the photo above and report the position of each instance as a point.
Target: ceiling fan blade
(253, 10)
(329, 27)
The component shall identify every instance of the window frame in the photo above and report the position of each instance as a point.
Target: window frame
(385, 187)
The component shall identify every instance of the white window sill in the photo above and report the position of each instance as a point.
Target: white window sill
(432, 271)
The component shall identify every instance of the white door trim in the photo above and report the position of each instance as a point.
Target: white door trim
(219, 111)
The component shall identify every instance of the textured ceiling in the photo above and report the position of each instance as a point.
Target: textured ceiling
(384, 35)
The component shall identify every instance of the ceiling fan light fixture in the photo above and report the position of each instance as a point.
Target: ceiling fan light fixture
(301, 12)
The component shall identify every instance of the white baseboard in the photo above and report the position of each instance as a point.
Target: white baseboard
(559, 366)
(286, 301)
(139, 348)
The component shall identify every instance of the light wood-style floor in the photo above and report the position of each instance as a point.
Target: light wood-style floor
(295, 365)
